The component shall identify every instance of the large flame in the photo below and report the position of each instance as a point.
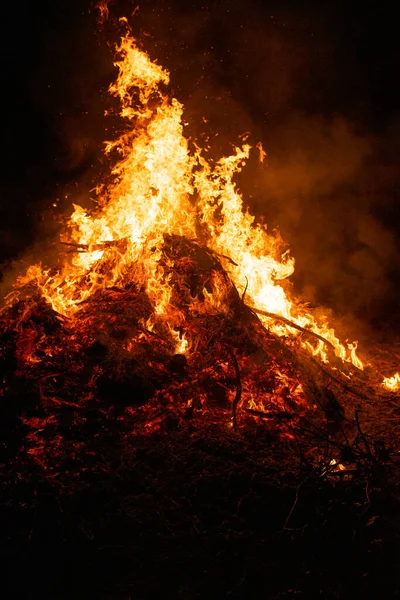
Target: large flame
(162, 185)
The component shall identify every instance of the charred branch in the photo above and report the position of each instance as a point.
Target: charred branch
(290, 323)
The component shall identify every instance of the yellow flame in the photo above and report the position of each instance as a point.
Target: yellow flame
(160, 187)
(392, 383)
(338, 466)
(182, 343)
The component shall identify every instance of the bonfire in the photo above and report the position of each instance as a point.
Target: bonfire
(174, 421)
(169, 300)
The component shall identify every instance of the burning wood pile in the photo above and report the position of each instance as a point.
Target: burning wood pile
(168, 298)
(168, 407)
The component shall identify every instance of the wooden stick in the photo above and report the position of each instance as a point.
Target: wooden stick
(344, 385)
(269, 415)
(363, 438)
(289, 323)
(238, 394)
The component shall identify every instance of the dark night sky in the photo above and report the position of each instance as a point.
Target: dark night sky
(316, 82)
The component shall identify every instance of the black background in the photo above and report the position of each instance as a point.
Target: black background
(317, 83)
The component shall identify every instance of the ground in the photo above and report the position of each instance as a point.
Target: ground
(194, 510)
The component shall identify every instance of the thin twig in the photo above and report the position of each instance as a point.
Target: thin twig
(151, 333)
(269, 415)
(285, 527)
(344, 385)
(238, 394)
(99, 246)
(228, 258)
(362, 436)
(60, 402)
(72, 245)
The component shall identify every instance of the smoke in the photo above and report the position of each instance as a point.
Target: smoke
(53, 127)
(297, 79)
(317, 189)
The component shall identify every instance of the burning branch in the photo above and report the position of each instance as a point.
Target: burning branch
(289, 323)
(121, 244)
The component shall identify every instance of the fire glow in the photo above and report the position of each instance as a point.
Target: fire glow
(163, 185)
(392, 383)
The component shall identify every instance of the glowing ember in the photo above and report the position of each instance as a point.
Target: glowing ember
(162, 186)
(337, 465)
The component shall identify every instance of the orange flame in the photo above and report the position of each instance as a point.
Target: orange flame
(392, 383)
(162, 186)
